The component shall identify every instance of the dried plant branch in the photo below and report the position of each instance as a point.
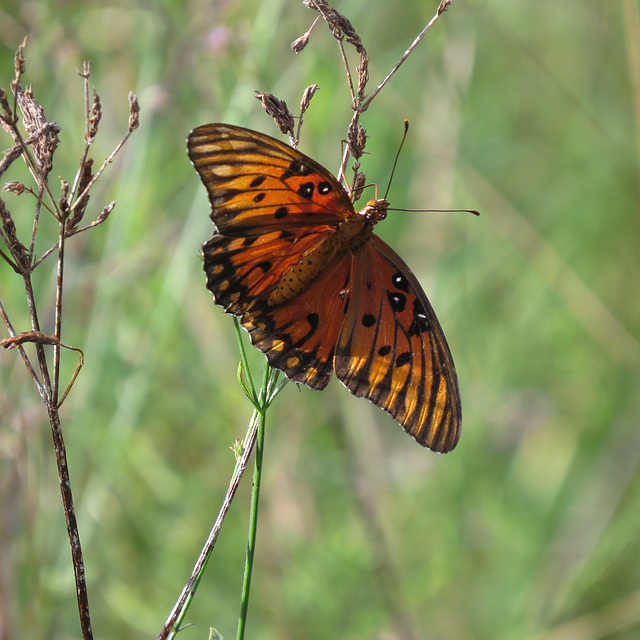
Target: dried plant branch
(134, 121)
(82, 179)
(40, 338)
(343, 31)
(37, 148)
(99, 220)
(443, 7)
(58, 313)
(19, 65)
(23, 354)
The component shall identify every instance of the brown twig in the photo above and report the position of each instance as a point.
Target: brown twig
(443, 7)
(7, 344)
(16, 341)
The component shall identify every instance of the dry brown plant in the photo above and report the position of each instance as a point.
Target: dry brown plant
(34, 141)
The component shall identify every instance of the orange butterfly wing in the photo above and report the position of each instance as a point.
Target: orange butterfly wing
(315, 288)
(257, 183)
(392, 350)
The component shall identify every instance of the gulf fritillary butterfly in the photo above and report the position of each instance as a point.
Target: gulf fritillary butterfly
(315, 288)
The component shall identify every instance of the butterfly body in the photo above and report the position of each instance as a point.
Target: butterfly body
(348, 236)
(315, 288)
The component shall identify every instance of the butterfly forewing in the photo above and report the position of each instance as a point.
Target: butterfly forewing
(256, 183)
(392, 351)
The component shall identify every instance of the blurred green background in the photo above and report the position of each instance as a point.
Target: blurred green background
(527, 111)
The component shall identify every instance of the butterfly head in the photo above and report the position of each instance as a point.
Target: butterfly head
(375, 210)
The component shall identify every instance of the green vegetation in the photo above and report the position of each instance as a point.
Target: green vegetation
(527, 111)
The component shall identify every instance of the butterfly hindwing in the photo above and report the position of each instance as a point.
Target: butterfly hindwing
(299, 336)
(392, 350)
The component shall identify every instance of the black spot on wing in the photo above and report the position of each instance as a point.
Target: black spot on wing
(297, 168)
(403, 359)
(368, 320)
(398, 301)
(399, 281)
(420, 322)
(306, 190)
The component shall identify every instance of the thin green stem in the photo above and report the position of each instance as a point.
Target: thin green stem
(264, 401)
(249, 387)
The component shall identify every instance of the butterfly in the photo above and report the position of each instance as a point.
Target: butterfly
(315, 288)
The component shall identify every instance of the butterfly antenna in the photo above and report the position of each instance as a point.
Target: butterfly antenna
(393, 170)
(474, 211)
(395, 162)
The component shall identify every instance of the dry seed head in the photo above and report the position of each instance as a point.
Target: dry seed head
(63, 202)
(358, 184)
(10, 155)
(5, 216)
(105, 212)
(19, 65)
(309, 92)
(81, 206)
(363, 73)
(300, 43)
(94, 117)
(134, 112)
(15, 187)
(7, 116)
(64, 189)
(278, 110)
(7, 222)
(357, 139)
(17, 249)
(86, 70)
(45, 134)
(349, 32)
